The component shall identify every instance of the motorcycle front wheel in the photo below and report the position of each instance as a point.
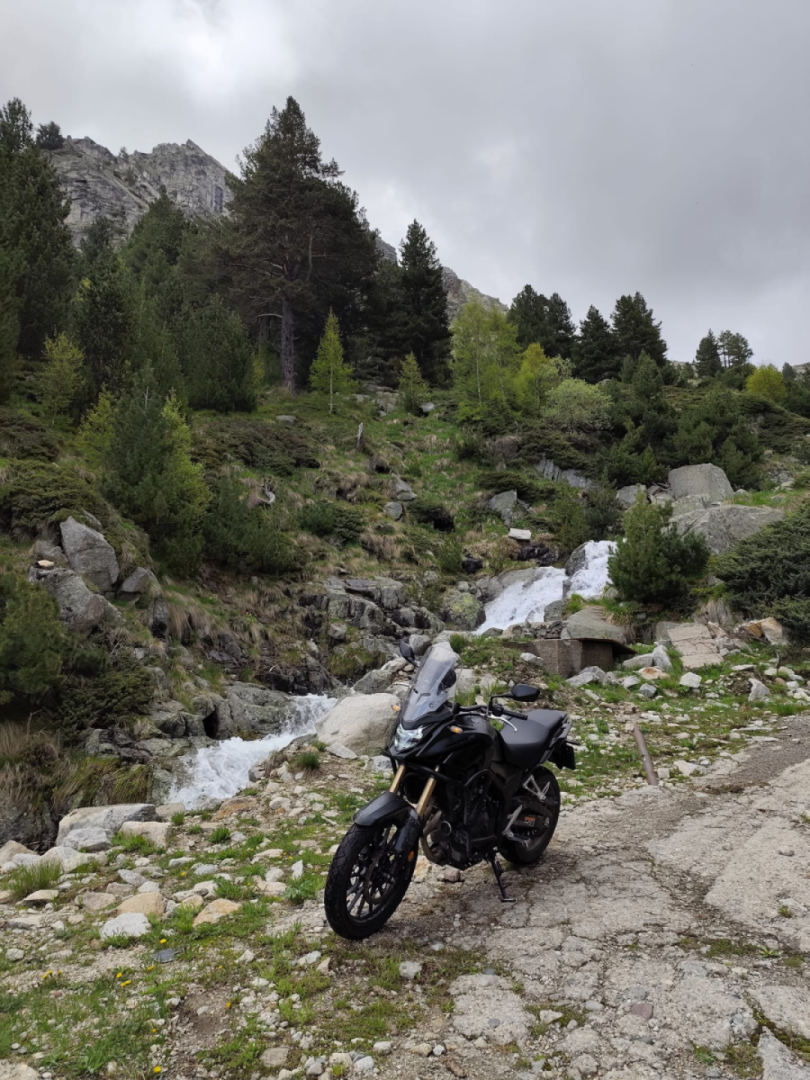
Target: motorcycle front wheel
(366, 884)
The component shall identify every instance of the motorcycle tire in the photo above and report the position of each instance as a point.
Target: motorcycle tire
(365, 884)
(524, 854)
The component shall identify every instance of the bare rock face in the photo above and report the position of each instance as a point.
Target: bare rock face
(459, 292)
(80, 609)
(89, 554)
(724, 526)
(99, 183)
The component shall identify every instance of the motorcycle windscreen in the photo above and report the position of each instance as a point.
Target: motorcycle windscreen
(431, 686)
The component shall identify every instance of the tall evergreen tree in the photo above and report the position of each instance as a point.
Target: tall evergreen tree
(559, 335)
(33, 209)
(734, 349)
(295, 229)
(103, 323)
(596, 354)
(155, 244)
(636, 330)
(9, 321)
(425, 326)
(707, 358)
(528, 313)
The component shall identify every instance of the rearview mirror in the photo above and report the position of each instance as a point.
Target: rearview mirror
(522, 692)
(406, 652)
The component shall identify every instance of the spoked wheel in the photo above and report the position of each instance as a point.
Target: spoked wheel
(365, 885)
(533, 827)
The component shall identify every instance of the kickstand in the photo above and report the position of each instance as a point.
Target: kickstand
(496, 869)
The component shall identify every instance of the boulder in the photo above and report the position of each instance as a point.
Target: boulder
(461, 610)
(145, 903)
(394, 509)
(155, 831)
(586, 676)
(133, 924)
(759, 691)
(660, 658)
(360, 721)
(387, 593)
(108, 818)
(89, 554)
(69, 859)
(724, 526)
(91, 838)
(79, 608)
(641, 661)
(691, 680)
(252, 708)
(647, 691)
(547, 468)
(376, 682)
(626, 496)
(503, 504)
(16, 1070)
(770, 630)
(695, 645)
(590, 624)
(403, 490)
(45, 552)
(520, 534)
(12, 848)
(708, 480)
(141, 582)
(215, 911)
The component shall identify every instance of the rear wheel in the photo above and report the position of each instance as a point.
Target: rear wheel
(532, 829)
(365, 884)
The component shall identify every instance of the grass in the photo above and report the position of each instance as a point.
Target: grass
(306, 887)
(28, 879)
(220, 835)
(308, 760)
(135, 845)
(178, 819)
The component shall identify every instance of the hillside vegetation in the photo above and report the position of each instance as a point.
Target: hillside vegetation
(247, 406)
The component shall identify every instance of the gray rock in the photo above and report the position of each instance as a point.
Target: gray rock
(359, 721)
(252, 708)
(341, 751)
(778, 1063)
(274, 1057)
(410, 969)
(403, 490)
(427, 408)
(107, 818)
(503, 505)
(759, 691)
(724, 526)
(79, 608)
(547, 469)
(131, 924)
(90, 838)
(89, 554)
(381, 764)
(420, 643)
(642, 660)
(691, 680)
(787, 1007)
(42, 550)
(647, 691)
(661, 659)
(630, 682)
(16, 1070)
(69, 859)
(285, 418)
(708, 480)
(626, 496)
(686, 768)
(141, 582)
(590, 624)
(588, 675)
(379, 680)
(394, 509)
(461, 610)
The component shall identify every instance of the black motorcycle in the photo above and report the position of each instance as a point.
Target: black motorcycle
(463, 786)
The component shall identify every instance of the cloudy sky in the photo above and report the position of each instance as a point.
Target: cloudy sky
(585, 146)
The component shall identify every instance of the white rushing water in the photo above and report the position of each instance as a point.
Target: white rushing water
(218, 772)
(526, 599)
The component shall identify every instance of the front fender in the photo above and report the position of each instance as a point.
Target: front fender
(387, 807)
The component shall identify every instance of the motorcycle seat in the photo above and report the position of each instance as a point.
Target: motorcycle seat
(525, 747)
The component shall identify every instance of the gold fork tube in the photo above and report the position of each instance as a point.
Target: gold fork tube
(427, 795)
(397, 778)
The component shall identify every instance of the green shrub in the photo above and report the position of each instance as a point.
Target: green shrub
(27, 879)
(538, 440)
(769, 573)
(338, 519)
(243, 538)
(470, 445)
(577, 518)
(33, 643)
(22, 436)
(528, 489)
(653, 563)
(178, 819)
(220, 835)
(256, 443)
(37, 492)
(134, 845)
(103, 688)
(428, 510)
(449, 556)
(308, 760)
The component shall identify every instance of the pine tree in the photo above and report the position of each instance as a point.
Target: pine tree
(61, 378)
(707, 358)
(330, 374)
(50, 137)
(596, 354)
(33, 209)
(217, 358)
(149, 474)
(413, 390)
(734, 349)
(155, 244)
(103, 323)
(636, 330)
(528, 313)
(425, 326)
(296, 234)
(559, 336)
(9, 322)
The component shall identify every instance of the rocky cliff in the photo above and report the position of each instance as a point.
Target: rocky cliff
(99, 183)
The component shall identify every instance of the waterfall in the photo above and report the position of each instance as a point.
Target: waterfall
(218, 772)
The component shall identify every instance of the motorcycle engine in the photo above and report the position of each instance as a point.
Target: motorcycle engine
(450, 831)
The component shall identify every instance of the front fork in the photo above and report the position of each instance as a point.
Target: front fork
(407, 841)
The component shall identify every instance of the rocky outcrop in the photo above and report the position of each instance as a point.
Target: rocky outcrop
(724, 526)
(89, 554)
(460, 292)
(109, 819)
(361, 722)
(707, 480)
(99, 183)
(461, 609)
(80, 609)
(549, 471)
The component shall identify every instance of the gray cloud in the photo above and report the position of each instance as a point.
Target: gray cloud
(587, 148)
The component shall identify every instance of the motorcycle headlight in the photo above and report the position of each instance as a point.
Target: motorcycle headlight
(405, 738)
